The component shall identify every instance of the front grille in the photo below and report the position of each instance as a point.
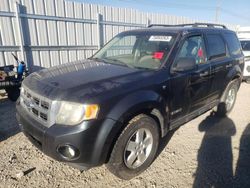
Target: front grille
(45, 105)
(37, 106)
(44, 116)
(36, 100)
(35, 111)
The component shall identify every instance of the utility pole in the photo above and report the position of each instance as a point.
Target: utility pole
(217, 10)
(217, 14)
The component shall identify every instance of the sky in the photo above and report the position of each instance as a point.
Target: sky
(229, 11)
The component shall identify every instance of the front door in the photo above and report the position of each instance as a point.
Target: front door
(190, 88)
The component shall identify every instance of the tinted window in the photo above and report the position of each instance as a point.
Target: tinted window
(233, 43)
(216, 46)
(193, 47)
(245, 45)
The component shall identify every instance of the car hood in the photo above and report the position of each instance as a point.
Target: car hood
(80, 80)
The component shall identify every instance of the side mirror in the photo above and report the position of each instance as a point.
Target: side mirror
(185, 64)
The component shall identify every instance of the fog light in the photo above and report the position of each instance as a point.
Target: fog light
(68, 152)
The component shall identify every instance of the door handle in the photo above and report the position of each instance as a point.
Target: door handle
(164, 87)
(202, 74)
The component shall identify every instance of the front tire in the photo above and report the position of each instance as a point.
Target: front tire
(135, 149)
(228, 98)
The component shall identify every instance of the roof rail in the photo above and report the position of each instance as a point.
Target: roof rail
(190, 25)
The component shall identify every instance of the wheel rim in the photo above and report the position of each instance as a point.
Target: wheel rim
(138, 148)
(230, 98)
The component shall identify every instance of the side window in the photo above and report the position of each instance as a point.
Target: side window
(233, 44)
(193, 47)
(216, 46)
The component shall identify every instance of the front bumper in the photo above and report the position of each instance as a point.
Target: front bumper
(94, 139)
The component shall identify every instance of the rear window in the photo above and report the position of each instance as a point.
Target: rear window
(233, 44)
(245, 45)
(216, 46)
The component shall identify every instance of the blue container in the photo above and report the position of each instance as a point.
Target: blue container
(20, 70)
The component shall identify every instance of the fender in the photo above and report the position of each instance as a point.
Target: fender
(234, 72)
(138, 102)
(125, 109)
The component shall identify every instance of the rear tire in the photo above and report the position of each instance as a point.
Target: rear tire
(228, 98)
(135, 149)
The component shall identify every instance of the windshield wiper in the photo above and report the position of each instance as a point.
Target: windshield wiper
(143, 68)
(99, 60)
(107, 60)
(95, 58)
(118, 62)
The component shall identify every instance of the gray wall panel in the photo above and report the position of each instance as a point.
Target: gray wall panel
(59, 31)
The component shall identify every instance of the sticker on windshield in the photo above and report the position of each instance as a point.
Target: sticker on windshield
(160, 38)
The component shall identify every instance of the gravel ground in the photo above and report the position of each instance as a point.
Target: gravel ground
(206, 152)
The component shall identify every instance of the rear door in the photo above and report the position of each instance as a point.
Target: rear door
(220, 61)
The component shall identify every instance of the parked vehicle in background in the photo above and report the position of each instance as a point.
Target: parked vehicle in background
(245, 43)
(115, 107)
(244, 36)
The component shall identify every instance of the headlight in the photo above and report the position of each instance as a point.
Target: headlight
(71, 113)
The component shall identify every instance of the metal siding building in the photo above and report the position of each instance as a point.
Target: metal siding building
(46, 33)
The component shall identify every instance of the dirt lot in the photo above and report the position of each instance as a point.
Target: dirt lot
(206, 152)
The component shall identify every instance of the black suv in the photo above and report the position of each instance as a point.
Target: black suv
(116, 106)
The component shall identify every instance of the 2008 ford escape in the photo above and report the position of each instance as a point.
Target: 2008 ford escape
(115, 107)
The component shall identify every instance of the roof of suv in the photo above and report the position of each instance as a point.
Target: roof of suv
(180, 29)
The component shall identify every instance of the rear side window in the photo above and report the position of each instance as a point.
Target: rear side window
(233, 44)
(216, 46)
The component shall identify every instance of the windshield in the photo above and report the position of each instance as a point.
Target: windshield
(137, 51)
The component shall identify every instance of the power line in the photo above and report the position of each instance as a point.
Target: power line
(172, 5)
(231, 13)
(218, 9)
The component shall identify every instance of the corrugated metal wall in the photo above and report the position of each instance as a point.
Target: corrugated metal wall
(58, 31)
